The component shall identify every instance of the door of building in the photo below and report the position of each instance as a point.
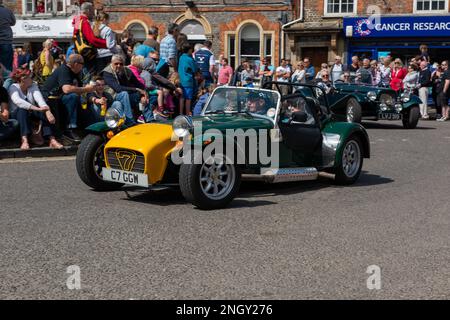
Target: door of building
(318, 55)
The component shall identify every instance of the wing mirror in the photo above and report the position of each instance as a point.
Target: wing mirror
(299, 116)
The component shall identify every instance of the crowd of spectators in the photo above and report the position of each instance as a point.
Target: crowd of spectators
(156, 80)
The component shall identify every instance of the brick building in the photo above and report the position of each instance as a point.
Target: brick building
(325, 28)
(239, 30)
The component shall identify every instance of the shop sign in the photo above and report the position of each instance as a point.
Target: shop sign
(385, 27)
(54, 28)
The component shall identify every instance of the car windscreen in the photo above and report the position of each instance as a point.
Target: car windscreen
(242, 100)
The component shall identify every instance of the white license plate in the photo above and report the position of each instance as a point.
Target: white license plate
(389, 116)
(126, 177)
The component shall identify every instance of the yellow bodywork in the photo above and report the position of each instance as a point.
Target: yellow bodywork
(153, 140)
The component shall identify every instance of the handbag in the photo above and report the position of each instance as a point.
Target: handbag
(84, 48)
(36, 133)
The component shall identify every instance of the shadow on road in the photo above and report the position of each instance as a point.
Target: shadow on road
(392, 126)
(251, 194)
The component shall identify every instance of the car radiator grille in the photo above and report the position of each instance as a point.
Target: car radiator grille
(126, 160)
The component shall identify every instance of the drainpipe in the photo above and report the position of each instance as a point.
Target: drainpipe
(283, 45)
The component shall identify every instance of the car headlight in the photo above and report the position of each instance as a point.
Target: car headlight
(398, 107)
(386, 99)
(114, 118)
(383, 107)
(182, 126)
(405, 97)
(372, 95)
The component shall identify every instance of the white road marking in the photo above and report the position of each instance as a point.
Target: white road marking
(382, 140)
(28, 160)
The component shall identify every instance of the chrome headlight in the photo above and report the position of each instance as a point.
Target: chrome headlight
(383, 107)
(182, 126)
(405, 97)
(372, 95)
(398, 107)
(387, 100)
(114, 118)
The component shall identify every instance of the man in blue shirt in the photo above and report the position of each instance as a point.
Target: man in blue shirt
(187, 70)
(168, 46)
(206, 62)
(143, 50)
(309, 69)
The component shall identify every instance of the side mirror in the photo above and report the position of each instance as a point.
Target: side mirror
(299, 116)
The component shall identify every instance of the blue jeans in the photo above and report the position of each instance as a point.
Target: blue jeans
(8, 129)
(6, 56)
(94, 112)
(128, 101)
(148, 110)
(24, 117)
(72, 102)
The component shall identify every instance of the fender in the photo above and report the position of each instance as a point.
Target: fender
(99, 128)
(345, 130)
(414, 101)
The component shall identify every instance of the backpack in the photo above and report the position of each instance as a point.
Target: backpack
(84, 48)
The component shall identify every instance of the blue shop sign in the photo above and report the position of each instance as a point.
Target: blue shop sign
(391, 27)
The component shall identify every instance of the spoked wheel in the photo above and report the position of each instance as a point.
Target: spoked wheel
(90, 161)
(210, 185)
(350, 167)
(354, 111)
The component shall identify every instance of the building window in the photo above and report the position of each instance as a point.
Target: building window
(138, 31)
(431, 6)
(232, 50)
(250, 43)
(340, 7)
(45, 6)
(193, 29)
(268, 46)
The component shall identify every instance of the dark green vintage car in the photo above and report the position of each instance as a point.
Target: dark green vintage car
(252, 134)
(361, 102)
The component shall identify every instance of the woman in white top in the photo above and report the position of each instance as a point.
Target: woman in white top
(26, 104)
(411, 81)
(299, 74)
(102, 30)
(385, 73)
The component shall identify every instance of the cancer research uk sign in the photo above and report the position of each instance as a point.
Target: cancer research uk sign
(394, 27)
(55, 28)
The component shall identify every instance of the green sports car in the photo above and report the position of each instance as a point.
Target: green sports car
(359, 102)
(242, 133)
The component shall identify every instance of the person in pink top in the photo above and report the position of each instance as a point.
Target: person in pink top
(136, 67)
(398, 74)
(225, 73)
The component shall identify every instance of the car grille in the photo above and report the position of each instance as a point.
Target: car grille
(126, 160)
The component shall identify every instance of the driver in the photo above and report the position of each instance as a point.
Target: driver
(256, 103)
(325, 82)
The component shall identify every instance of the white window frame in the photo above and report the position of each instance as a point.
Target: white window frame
(66, 4)
(430, 11)
(345, 14)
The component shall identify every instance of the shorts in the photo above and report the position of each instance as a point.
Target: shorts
(442, 100)
(188, 93)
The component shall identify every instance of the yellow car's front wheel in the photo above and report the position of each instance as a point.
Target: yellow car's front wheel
(210, 185)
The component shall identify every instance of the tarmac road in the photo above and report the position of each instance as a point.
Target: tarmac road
(294, 241)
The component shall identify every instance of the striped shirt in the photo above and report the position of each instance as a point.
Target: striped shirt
(168, 48)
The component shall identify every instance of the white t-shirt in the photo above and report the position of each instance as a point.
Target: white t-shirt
(283, 70)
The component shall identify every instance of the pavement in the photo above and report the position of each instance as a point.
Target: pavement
(308, 240)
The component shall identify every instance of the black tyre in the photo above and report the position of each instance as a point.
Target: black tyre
(90, 161)
(353, 111)
(351, 163)
(209, 186)
(411, 117)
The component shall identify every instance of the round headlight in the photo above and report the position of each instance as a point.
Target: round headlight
(114, 118)
(182, 126)
(405, 97)
(387, 99)
(398, 107)
(372, 95)
(383, 107)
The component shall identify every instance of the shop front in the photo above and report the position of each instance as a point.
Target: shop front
(34, 32)
(400, 37)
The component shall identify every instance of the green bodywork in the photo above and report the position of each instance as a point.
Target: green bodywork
(338, 99)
